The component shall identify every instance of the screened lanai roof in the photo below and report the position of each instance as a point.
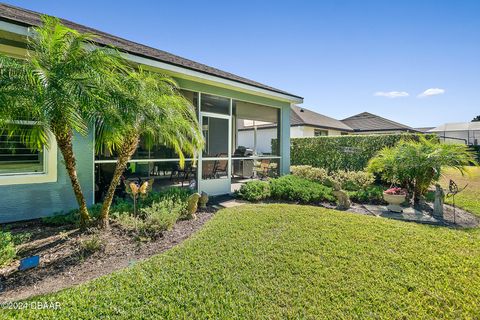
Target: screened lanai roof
(457, 126)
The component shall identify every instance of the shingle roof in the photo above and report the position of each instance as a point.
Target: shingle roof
(302, 116)
(31, 18)
(366, 121)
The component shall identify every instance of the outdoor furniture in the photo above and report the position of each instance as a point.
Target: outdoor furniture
(182, 175)
(221, 166)
(265, 168)
(208, 169)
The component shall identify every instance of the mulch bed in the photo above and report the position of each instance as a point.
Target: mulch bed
(63, 262)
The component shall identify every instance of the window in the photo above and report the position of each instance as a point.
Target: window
(320, 133)
(19, 164)
(17, 158)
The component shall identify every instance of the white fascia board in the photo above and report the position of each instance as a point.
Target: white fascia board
(180, 71)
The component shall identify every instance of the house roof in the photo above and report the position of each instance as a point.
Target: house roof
(304, 117)
(457, 126)
(30, 18)
(366, 121)
(423, 129)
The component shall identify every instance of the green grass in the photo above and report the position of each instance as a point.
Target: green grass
(290, 261)
(468, 199)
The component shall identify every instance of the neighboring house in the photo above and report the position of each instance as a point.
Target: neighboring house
(368, 123)
(303, 123)
(38, 185)
(461, 132)
(307, 123)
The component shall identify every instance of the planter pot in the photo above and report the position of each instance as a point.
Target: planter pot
(394, 201)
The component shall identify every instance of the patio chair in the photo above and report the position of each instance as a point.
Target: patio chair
(221, 166)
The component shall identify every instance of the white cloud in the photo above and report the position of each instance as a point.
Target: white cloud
(391, 94)
(431, 92)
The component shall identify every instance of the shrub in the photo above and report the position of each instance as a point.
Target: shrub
(414, 165)
(370, 194)
(254, 191)
(350, 152)
(308, 172)
(293, 188)
(7, 248)
(152, 221)
(91, 245)
(353, 180)
(347, 180)
(180, 194)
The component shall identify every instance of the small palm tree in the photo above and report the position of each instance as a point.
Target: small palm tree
(60, 88)
(149, 106)
(415, 165)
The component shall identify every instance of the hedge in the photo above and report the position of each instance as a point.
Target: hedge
(334, 153)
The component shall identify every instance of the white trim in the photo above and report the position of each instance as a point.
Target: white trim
(144, 160)
(186, 73)
(50, 166)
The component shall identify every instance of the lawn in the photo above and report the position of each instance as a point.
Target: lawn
(469, 199)
(290, 261)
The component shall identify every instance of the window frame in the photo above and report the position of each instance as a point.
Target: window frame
(315, 130)
(49, 173)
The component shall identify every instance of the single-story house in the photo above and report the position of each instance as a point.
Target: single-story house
(368, 123)
(303, 123)
(307, 123)
(35, 184)
(461, 132)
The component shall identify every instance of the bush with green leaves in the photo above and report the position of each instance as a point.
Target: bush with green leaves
(415, 165)
(254, 191)
(370, 194)
(180, 194)
(7, 248)
(311, 173)
(293, 188)
(154, 220)
(351, 152)
(353, 180)
(346, 180)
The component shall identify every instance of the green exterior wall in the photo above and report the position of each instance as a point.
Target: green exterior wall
(30, 201)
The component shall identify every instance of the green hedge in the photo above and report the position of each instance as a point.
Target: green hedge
(350, 152)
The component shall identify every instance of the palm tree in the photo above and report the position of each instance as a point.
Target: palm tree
(149, 106)
(59, 88)
(414, 165)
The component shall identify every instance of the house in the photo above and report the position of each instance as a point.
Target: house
(368, 123)
(303, 123)
(35, 184)
(307, 123)
(461, 132)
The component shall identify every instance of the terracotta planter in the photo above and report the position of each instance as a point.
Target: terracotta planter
(394, 201)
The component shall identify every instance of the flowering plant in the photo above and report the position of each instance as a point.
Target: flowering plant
(396, 191)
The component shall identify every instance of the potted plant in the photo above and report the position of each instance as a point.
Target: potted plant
(395, 196)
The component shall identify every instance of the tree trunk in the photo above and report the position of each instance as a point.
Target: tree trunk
(65, 144)
(127, 150)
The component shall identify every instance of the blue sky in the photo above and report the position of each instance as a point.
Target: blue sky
(343, 57)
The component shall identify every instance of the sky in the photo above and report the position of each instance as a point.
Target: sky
(416, 62)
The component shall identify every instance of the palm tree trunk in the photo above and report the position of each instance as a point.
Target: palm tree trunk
(126, 152)
(65, 144)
